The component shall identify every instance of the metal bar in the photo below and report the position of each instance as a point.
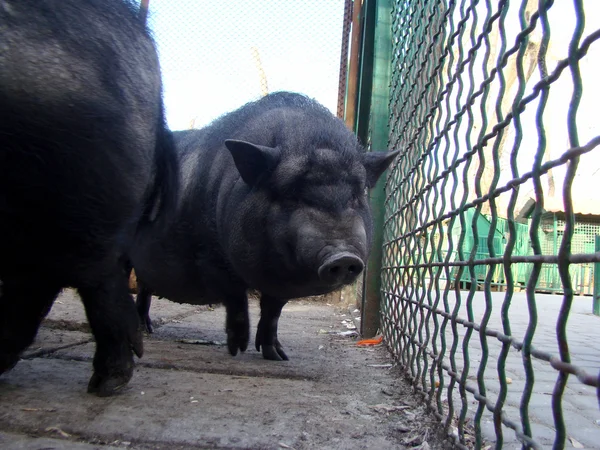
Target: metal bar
(582, 375)
(565, 246)
(462, 97)
(543, 169)
(366, 72)
(536, 89)
(376, 95)
(596, 307)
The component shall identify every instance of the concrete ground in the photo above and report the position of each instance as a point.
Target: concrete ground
(188, 392)
(579, 402)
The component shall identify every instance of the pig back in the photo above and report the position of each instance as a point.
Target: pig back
(80, 112)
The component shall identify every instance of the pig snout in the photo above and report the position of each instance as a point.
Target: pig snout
(340, 268)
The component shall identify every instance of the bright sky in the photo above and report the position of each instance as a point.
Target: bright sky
(205, 48)
(208, 69)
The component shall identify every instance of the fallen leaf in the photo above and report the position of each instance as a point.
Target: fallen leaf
(199, 342)
(59, 431)
(388, 408)
(414, 440)
(39, 409)
(347, 333)
(575, 443)
(368, 342)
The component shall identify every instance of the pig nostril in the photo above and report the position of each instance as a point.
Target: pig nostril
(340, 268)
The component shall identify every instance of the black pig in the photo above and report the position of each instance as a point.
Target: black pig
(272, 197)
(85, 162)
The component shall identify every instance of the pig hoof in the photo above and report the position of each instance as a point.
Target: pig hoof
(7, 362)
(108, 385)
(147, 325)
(238, 334)
(274, 353)
(236, 342)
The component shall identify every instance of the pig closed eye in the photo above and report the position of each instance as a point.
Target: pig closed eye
(356, 202)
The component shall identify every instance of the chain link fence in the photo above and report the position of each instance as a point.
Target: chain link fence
(217, 55)
(494, 107)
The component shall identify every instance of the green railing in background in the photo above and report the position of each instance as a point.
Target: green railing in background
(492, 107)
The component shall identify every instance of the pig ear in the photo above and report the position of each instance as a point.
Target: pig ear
(252, 160)
(376, 163)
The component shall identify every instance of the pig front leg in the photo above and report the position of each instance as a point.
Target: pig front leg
(23, 305)
(266, 334)
(237, 323)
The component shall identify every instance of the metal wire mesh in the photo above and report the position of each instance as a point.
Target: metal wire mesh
(217, 55)
(493, 105)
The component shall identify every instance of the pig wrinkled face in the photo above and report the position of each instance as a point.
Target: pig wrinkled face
(315, 216)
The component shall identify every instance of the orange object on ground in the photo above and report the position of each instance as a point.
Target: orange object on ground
(368, 342)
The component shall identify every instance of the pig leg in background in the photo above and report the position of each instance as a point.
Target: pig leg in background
(237, 323)
(114, 322)
(266, 334)
(23, 305)
(143, 299)
(142, 304)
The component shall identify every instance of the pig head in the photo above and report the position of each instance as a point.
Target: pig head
(305, 226)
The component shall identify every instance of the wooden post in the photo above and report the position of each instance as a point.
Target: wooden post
(351, 93)
(144, 11)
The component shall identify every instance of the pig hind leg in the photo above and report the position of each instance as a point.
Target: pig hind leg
(114, 322)
(142, 303)
(143, 298)
(237, 323)
(23, 305)
(266, 334)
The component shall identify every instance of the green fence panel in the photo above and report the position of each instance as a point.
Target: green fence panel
(488, 236)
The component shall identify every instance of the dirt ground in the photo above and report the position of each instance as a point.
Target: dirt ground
(188, 392)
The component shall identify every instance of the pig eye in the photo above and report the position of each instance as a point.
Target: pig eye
(356, 201)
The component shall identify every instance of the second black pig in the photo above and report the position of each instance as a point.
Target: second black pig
(273, 197)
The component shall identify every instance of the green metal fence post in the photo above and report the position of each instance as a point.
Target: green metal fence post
(597, 280)
(372, 126)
